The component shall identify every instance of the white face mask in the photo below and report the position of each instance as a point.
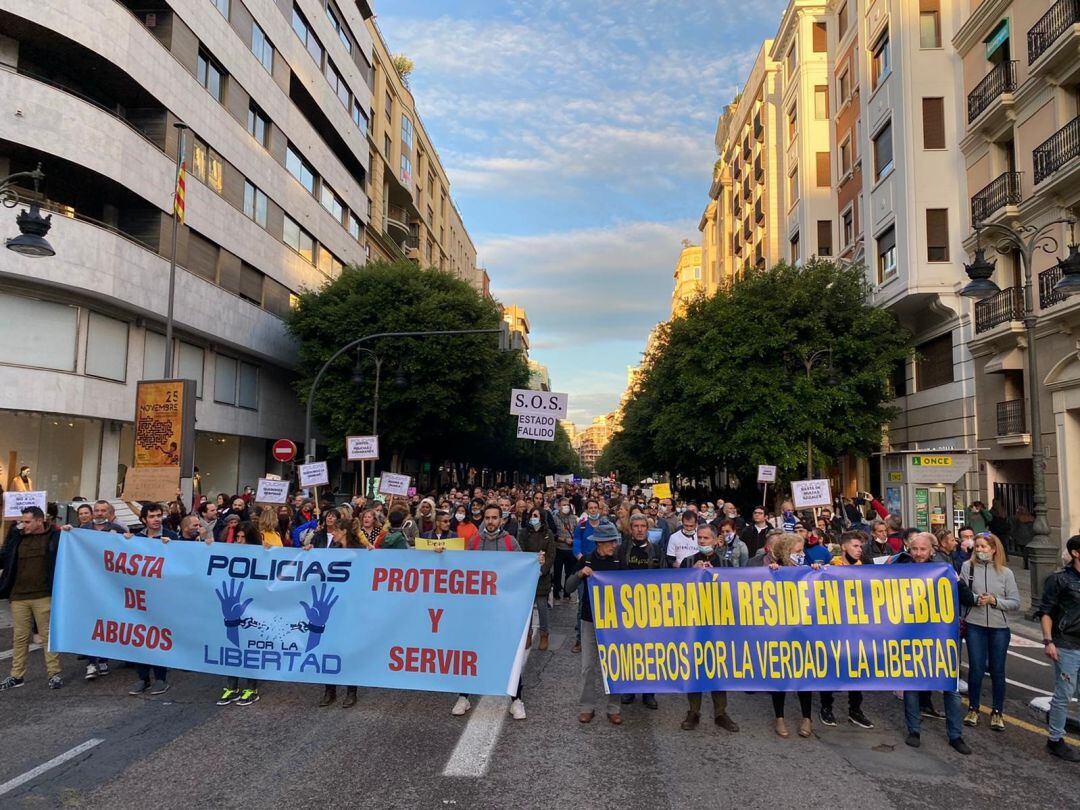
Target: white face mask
(460, 516)
(984, 556)
(566, 510)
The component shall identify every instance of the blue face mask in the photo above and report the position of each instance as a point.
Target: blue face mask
(798, 558)
(705, 549)
(534, 522)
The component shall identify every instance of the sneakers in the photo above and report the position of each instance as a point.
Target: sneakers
(140, 688)
(1062, 750)
(913, 740)
(11, 683)
(827, 717)
(971, 718)
(959, 746)
(726, 723)
(997, 722)
(228, 696)
(91, 672)
(691, 721)
(462, 706)
(247, 697)
(517, 709)
(160, 688)
(55, 682)
(857, 718)
(931, 712)
(102, 668)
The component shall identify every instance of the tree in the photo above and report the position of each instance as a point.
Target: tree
(747, 375)
(404, 67)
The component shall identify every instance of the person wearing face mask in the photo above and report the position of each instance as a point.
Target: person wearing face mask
(814, 550)
(707, 557)
(731, 549)
(565, 562)
(787, 550)
(993, 587)
(582, 547)
(536, 536)
(638, 554)
(683, 543)
(104, 519)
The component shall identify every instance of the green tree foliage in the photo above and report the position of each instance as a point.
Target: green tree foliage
(728, 383)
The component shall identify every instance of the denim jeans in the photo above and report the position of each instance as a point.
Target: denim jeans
(543, 613)
(1066, 680)
(953, 713)
(987, 650)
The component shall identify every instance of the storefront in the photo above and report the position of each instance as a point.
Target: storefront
(63, 452)
(922, 487)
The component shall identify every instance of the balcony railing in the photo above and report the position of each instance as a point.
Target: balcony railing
(1000, 80)
(1057, 150)
(1061, 16)
(1003, 190)
(1007, 305)
(1011, 417)
(1047, 295)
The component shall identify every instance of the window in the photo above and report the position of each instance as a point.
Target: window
(198, 159)
(824, 237)
(337, 84)
(934, 362)
(202, 257)
(388, 148)
(821, 102)
(389, 108)
(210, 76)
(332, 202)
(247, 395)
(250, 287)
(258, 125)
(792, 122)
(793, 187)
(215, 172)
(886, 255)
(824, 170)
(795, 248)
(881, 64)
(844, 86)
(354, 226)
(791, 61)
(841, 22)
(937, 234)
(406, 131)
(254, 204)
(153, 363)
(883, 154)
(359, 117)
(329, 263)
(406, 170)
(299, 240)
(225, 380)
(847, 230)
(106, 347)
(933, 123)
(845, 157)
(300, 168)
(821, 37)
(307, 36)
(332, 15)
(189, 365)
(929, 23)
(261, 47)
(222, 6)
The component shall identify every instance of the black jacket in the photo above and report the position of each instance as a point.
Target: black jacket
(651, 552)
(754, 538)
(1061, 602)
(9, 559)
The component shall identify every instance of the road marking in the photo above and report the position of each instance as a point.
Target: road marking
(34, 773)
(1036, 690)
(1016, 721)
(8, 653)
(1028, 658)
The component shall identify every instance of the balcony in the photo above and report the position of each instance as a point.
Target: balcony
(1052, 42)
(1011, 417)
(759, 172)
(759, 210)
(746, 151)
(747, 229)
(1056, 151)
(397, 222)
(746, 187)
(1002, 192)
(1048, 297)
(1006, 306)
(996, 86)
(759, 130)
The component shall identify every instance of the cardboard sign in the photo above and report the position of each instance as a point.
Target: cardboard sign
(810, 494)
(314, 474)
(151, 484)
(272, 491)
(661, 491)
(394, 484)
(766, 474)
(362, 448)
(538, 403)
(446, 544)
(536, 427)
(549, 481)
(15, 502)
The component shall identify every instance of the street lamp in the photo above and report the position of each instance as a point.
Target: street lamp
(809, 361)
(32, 225)
(1043, 553)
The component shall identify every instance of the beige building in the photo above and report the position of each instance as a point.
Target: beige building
(518, 322)
(591, 441)
(687, 277)
(412, 213)
(1021, 149)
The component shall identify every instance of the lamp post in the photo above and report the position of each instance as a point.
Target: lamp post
(1043, 552)
(809, 361)
(32, 225)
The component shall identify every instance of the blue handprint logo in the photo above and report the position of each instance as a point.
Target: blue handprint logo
(232, 609)
(318, 613)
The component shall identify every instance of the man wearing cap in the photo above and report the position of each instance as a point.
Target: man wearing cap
(604, 557)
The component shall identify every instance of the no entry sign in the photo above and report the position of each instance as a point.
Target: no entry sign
(284, 450)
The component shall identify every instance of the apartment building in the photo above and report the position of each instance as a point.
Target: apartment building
(518, 321)
(1021, 151)
(688, 281)
(412, 213)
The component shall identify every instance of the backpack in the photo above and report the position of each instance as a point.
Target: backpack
(476, 540)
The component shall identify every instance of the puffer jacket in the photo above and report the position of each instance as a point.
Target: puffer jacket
(985, 578)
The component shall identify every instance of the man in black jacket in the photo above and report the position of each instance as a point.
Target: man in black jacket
(1059, 614)
(27, 564)
(754, 534)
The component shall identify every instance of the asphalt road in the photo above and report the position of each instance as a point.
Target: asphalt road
(89, 744)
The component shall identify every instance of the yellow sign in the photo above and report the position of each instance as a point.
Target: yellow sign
(661, 490)
(931, 461)
(159, 423)
(447, 544)
(895, 476)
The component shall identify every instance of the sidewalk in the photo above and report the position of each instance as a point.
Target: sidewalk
(1020, 623)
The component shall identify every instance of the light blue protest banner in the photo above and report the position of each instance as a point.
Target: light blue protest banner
(451, 621)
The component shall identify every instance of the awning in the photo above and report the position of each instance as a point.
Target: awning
(1012, 360)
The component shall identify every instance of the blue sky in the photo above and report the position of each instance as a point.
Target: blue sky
(578, 136)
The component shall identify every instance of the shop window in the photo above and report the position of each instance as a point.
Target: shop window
(38, 333)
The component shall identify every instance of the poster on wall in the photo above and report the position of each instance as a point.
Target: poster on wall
(165, 424)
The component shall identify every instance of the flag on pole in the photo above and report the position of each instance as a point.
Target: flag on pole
(178, 196)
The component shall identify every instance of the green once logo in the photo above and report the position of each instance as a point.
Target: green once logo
(916, 461)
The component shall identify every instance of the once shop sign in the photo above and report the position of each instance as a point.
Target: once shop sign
(931, 461)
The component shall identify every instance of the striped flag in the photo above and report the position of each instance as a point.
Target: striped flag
(178, 196)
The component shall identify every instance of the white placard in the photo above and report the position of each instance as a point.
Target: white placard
(361, 448)
(680, 547)
(809, 494)
(273, 477)
(586, 482)
(766, 474)
(538, 428)
(314, 474)
(394, 484)
(538, 403)
(564, 479)
(15, 502)
(625, 489)
(272, 490)
(549, 481)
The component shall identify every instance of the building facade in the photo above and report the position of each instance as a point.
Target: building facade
(688, 281)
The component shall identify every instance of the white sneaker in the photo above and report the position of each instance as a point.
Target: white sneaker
(517, 709)
(461, 706)
(91, 672)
